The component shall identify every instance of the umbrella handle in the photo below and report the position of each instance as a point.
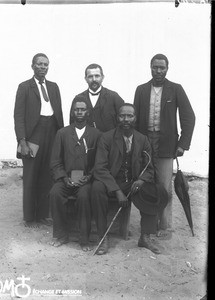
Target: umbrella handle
(177, 163)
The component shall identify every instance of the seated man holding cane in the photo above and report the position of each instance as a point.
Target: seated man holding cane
(120, 171)
(73, 156)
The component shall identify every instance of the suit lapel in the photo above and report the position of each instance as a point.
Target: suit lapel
(101, 100)
(51, 94)
(86, 95)
(119, 141)
(73, 133)
(86, 133)
(136, 147)
(34, 87)
(165, 93)
(146, 98)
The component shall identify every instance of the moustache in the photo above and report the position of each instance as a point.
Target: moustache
(94, 82)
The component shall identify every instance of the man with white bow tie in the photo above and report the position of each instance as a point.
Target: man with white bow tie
(103, 103)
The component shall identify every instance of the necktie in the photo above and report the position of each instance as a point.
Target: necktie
(45, 96)
(128, 145)
(94, 94)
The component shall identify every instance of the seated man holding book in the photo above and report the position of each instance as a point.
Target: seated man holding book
(72, 161)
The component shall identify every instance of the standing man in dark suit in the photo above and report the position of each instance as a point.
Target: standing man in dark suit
(73, 153)
(118, 171)
(157, 103)
(38, 116)
(103, 103)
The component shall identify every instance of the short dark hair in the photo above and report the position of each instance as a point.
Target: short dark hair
(80, 99)
(160, 56)
(127, 104)
(94, 66)
(34, 60)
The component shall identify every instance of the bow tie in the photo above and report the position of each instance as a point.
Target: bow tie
(94, 94)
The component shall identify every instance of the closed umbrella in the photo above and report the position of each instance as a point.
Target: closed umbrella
(181, 189)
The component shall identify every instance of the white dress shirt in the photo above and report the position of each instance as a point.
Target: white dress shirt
(94, 98)
(46, 108)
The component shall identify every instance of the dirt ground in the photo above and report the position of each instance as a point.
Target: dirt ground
(126, 272)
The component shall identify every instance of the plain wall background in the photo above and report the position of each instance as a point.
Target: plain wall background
(122, 38)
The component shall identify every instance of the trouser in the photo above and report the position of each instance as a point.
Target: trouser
(36, 171)
(99, 199)
(163, 174)
(59, 199)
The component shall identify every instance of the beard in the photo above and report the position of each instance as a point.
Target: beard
(94, 85)
(127, 126)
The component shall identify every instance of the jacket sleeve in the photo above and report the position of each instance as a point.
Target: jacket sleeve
(137, 106)
(60, 113)
(101, 168)
(186, 117)
(92, 152)
(19, 112)
(118, 102)
(57, 158)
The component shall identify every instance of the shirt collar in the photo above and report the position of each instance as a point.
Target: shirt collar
(129, 138)
(98, 91)
(37, 81)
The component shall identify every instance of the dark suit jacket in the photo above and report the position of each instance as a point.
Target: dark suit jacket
(104, 113)
(28, 105)
(173, 98)
(69, 152)
(109, 158)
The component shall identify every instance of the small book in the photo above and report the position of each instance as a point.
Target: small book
(32, 146)
(76, 175)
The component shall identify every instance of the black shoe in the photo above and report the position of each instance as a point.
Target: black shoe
(103, 248)
(145, 242)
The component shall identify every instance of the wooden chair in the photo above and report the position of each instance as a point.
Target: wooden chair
(120, 225)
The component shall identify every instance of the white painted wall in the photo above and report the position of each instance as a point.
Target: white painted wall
(120, 37)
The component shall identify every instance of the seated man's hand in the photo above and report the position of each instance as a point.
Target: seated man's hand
(123, 200)
(83, 180)
(136, 186)
(68, 182)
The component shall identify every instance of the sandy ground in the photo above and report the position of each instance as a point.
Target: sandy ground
(126, 272)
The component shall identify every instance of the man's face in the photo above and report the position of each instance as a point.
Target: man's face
(126, 117)
(80, 112)
(94, 78)
(41, 67)
(159, 69)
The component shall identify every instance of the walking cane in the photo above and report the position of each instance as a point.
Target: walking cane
(114, 218)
